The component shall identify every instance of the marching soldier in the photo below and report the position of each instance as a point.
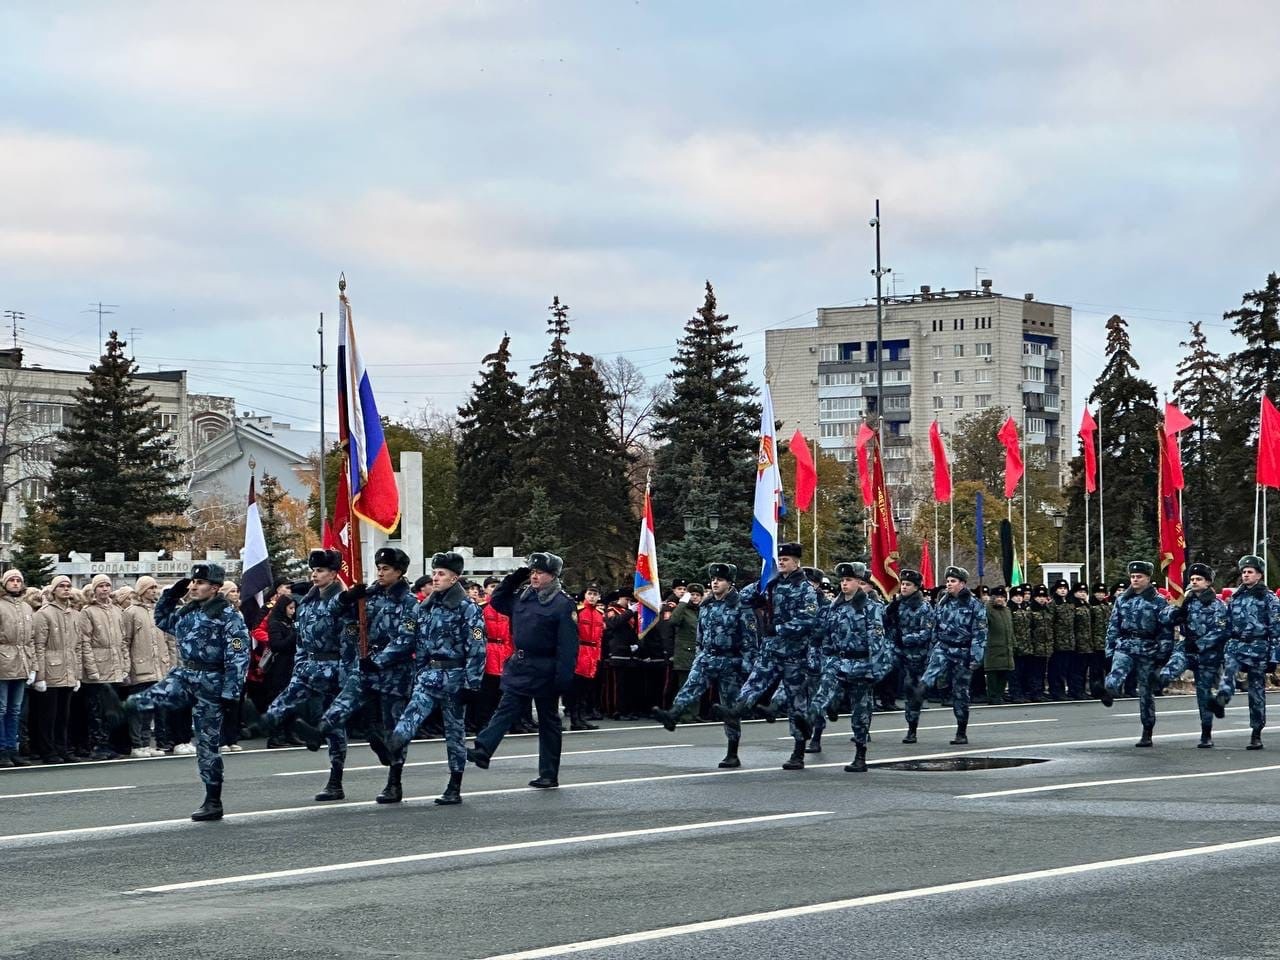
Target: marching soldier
(726, 645)
(909, 629)
(814, 658)
(1201, 619)
(448, 646)
(328, 653)
(960, 644)
(859, 656)
(791, 600)
(1136, 639)
(213, 643)
(1253, 618)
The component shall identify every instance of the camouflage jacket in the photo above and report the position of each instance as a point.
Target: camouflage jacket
(449, 626)
(212, 637)
(908, 623)
(389, 613)
(794, 605)
(1253, 618)
(327, 637)
(1135, 627)
(1082, 626)
(1021, 631)
(1064, 629)
(1099, 614)
(855, 630)
(727, 628)
(1201, 619)
(960, 626)
(1040, 621)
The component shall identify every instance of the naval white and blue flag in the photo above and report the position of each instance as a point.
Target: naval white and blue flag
(764, 518)
(647, 591)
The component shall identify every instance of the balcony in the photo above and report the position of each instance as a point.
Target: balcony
(1051, 402)
(897, 416)
(1033, 386)
(1054, 355)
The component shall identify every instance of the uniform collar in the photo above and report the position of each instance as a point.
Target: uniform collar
(451, 599)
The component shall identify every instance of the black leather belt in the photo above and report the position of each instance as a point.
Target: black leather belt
(526, 655)
(207, 666)
(323, 659)
(858, 655)
(443, 664)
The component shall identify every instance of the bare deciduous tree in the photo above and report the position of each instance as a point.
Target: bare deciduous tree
(631, 407)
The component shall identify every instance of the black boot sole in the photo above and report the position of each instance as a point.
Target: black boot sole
(729, 763)
(478, 759)
(447, 801)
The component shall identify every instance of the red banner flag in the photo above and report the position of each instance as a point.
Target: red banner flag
(884, 538)
(1175, 421)
(336, 535)
(1008, 436)
(865, 433)
(806, 472)
(1088, 427)
(1173, 541)
(926, 567)
(941, 468)
(1268, 474)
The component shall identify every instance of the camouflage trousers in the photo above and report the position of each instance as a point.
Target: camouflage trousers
(1144, 669)
(1207, 672)
(859, 693)
(431, 689)
(306, 696)
(914, 662)
(1256, 682)
(201, 690)
(795, 680)
(781, 700)
(946, 671)
(384, 707)
(725, 673)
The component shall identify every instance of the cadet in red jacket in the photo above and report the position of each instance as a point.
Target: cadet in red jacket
(590, 637)
(497, 631)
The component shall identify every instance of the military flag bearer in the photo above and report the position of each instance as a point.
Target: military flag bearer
(1253, 618)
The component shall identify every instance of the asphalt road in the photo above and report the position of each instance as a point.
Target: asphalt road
(648, 850)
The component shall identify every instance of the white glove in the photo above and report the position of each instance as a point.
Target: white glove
(686, 598)
(76, 687)
(41, 686)
(31, 678)
(635, 647)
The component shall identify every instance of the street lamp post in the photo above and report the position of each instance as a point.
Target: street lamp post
(1058, 519)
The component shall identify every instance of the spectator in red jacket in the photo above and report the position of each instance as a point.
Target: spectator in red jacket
(498, 647)
(590, 637)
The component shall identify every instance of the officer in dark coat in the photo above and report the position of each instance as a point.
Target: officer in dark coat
(544, 631)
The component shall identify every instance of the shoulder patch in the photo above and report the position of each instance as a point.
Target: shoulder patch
(237, 644)
(477, 633)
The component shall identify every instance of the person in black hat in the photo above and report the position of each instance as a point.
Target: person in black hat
(813, 664)
(1253, 619)
(1099, 615)
(790, 599)
(213, 643)
(1064, 639)
(998, 662)
(1040, 642)
(909, 628)
(541, 669)
(1082, 631)
(1138, 636)
(382, 694)
(621, 640)
(328, 650)
(1202, 631)
(960, 644)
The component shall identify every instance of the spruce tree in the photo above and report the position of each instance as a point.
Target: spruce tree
(116, 469)
(493, 426)
(700, 545)
(1202, 391)
(850, 542)
(710, 411)
(286, 564)
(539, 525)
(32, 540)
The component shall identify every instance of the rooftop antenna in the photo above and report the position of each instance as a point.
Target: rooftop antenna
(13, 316)
(102, 310)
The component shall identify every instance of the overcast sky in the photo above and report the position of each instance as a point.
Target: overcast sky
(210, 168)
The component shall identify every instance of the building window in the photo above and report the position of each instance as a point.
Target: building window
(937, 352)
(1035, 424)
(1032, 349)
(841, 408)
(829, 352)
(839, 429)
(958, 350)
(937, 376)
(44, 413)
(982, 349)
(897, 403)
(897, 376)
(895, 453)
(835, 379)
(957, 376)
(1033, 374)
(34, 489)
(39, 452)
(982, 376)
(982, 400)
(937, 403)
(957, 402)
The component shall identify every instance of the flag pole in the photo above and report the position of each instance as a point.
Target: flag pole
(815, 504)
(357, 551)
(937, 542)
(1257, 495)
(1102, 524)
(951, 530)
(324, 503)
(1086, 537)
(1025, 465)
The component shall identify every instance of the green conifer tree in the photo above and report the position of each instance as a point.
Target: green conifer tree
(30, 542)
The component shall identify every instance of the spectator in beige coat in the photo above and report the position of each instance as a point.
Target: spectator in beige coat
(102, 622)
(17, 663)
(149, 658)
(63, 658)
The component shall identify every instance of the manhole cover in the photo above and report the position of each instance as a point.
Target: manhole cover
(960, 763)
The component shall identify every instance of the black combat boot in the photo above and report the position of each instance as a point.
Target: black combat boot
(211, 809)
(578, 721)
(725, 714)
(803, 726)
(1206, 736)
(393, 792)
(815, 744)
(859, 764)
(333, 789)
(453, 792)
(378, 744)
(1105, 697)
(731, 761)
(796, 760)
(961, 737)
(833, 714)
(312, 737)
(1217, 707)
(1255, 741)
(1145, 741)
(665, 717)
(911, 732)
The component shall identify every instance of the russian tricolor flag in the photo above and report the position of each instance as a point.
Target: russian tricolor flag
(768, 502)
(647, 591)
(374, 495)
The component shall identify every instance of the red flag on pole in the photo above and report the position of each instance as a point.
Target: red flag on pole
(865, 433)
(806, 472)
(1268, 472)
(1173, 541)
(1008, 436)
(1086, 434)
(941, 468)
(1175, 421)
(926, 567)
(336, 535)
(884, 538)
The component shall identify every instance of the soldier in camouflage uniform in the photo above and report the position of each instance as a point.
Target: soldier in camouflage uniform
(1253, 617)
(1064, 640)
(448, 650)
(328, 652)
(1201, 621)
(790, 599)
(1082, 631)
(960, 644)
(382, 694)
(817, 654)
(213, 643)
(1021, 642)
(726, 646)
(1138, 637)
(1099, 614)
(860, 655)
(909, 630)
(1040, 631)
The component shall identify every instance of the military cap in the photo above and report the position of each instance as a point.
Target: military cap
(1200, 570)
(697, 588)
(790, 550)
(813, 574)
(1080, 587)
(722, 571)
(1039, 590)
(912, 576)
(999, 591)
(392, 557)
(1099, 587)
(325, 560)
(208, 572)
(845, 570)
(983, 590)
(591, 586)
(546, 563)
(1060, 582)
(1251, 561)
(622, 593)
(679, 582)
(454, 562)
(494, 581)
(959, 573)
(1142, 566)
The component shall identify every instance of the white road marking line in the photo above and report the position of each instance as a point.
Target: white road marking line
(1168, 713)
(513, 756)
(1048, 788)
(939, 726)
(830, 906)
(476, 851)
(58, 793)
